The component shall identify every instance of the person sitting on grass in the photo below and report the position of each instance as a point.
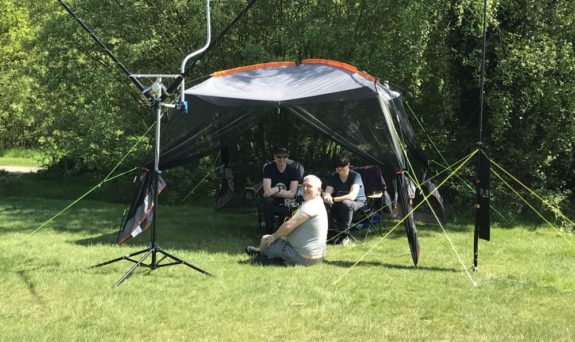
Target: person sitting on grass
(301, 240)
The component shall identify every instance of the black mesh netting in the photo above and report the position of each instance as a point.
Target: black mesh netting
(359, 113)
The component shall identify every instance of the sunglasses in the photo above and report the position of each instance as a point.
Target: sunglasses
(281, 157)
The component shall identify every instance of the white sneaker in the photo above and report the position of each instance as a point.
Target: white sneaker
(345, 241)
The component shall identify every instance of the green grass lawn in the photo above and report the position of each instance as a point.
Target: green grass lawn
(20, 157)
(524, 286)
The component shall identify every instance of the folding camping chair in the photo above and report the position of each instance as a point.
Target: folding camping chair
(282, 212)
(368, 218)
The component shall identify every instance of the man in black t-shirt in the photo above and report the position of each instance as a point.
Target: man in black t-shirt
(280, 182)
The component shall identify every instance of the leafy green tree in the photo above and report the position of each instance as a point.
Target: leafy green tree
(532, 92)
(86, 113)
(16, 124)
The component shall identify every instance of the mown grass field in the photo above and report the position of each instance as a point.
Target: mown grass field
(524, 288)
(20, 157)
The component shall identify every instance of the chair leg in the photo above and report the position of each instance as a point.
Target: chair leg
(373, 227)
(259, 229)
(377, 228)
(350, 234)
(367, 229)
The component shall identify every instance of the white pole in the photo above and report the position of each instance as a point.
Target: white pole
(195, 53)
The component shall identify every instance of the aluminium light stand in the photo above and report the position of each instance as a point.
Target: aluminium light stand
(153, 250)
(155, 96)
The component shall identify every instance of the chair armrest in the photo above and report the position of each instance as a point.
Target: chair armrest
(375, 195)
(253, 192)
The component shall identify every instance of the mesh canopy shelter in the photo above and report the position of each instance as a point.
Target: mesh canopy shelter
(350, 107)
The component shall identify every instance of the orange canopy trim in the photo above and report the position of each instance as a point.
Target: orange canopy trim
(253, 67)
(337, 64)
(340, 65)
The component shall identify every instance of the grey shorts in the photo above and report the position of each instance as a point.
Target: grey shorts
(283, 250)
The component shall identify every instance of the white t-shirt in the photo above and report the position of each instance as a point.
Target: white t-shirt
(309, 239)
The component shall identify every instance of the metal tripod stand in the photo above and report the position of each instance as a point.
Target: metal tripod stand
(153, 250)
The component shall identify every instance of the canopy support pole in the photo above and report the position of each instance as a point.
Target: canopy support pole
(406, 210)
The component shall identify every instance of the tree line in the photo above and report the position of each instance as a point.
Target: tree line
(62, 94)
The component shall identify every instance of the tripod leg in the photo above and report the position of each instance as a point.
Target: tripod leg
(125, 257)
(183, 261)
(129, 273)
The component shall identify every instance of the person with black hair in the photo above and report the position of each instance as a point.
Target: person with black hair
(280, 182)
(344, 195)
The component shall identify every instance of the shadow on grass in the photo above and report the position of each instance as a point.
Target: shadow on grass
(30, 285)
(92, 223)
(104, 239)
(347, 264)
(399, 231)
(191, 229)
(207, 243)
(256, 263)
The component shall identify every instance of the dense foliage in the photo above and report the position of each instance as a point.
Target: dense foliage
(62, 93)
(16, 125)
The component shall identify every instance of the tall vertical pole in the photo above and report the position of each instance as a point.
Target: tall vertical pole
(195, 53)
(480, 174)
(482, 73)
(158, 104)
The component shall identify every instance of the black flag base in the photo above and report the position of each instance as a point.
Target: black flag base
(155, 263)
(482, 215)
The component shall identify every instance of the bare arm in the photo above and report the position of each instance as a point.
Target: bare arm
(291, 192)
(268, 190)
(276, 192)
(352, 195)
(285, 229)
(327, 195)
